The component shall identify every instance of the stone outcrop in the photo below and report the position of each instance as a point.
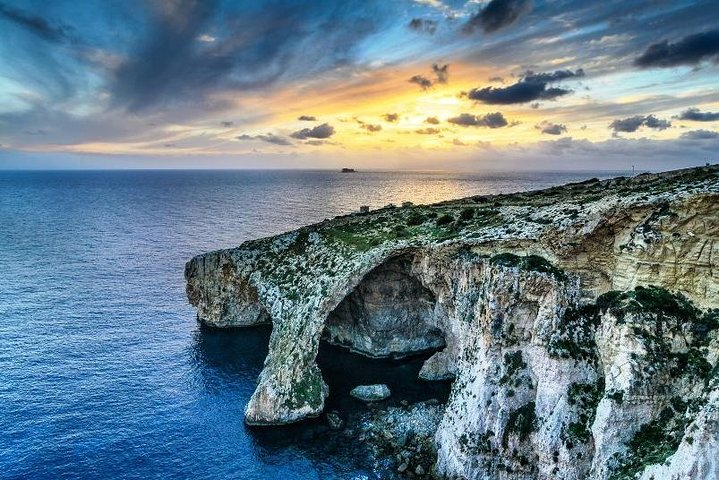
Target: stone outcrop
(576, 321)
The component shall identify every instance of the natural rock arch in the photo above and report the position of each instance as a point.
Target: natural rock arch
(390, 313)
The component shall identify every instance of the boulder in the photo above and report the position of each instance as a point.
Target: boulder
(371, 393)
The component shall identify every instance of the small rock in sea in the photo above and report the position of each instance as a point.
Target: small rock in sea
(334, 420)
(402, 468)
(404, 403)
(371, 393)
(419, 470)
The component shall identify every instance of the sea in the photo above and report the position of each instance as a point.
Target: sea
(105, 372)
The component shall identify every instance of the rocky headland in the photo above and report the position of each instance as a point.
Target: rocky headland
(578, 324)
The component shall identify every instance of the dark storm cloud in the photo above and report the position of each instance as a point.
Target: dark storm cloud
(550, 128)
(632, 124)
(689, 50)
(391, 117)
(170, 66)
(601, 39)
(307, 118)
(269, 138)
(33, 23)
(320, 131)
(699, 135)
(695, 115)
(490, 120)
(498, 14)
(422, 81)
(427, 131)
(423, 25)
(531, 87)
(432, 120)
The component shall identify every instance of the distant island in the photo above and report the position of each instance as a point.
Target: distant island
(348, 170)
(579, 326)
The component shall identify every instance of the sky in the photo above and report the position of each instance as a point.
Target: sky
(400, 84)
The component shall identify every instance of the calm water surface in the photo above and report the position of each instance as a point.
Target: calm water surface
(104, 372)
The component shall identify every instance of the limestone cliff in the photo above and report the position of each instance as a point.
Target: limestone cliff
(576, 321)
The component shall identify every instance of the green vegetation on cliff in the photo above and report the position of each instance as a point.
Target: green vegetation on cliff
(654, 442)
(529, 263)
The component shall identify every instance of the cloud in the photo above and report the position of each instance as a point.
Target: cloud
(491, 120)
(373, 128)
(498, 14)
(699, 135)
(423, 25)
(422, 81)
(269, 138)
(689, 50)
(551, 128)
(35, 24)
(166, 66)
(632, 124)
(441, 72)
(391, 117)
(427, 131)
(370, 127)
(320, 131)
(532, 86)
(432, 120)
(653, 122)
(226, 123)
(37, 131)
(695, 115)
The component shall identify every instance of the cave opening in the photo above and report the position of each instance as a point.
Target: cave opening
(382, 332)
(389, 314)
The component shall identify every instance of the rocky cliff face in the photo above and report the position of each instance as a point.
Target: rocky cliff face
(576, 322)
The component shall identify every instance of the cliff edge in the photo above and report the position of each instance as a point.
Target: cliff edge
(577, 322)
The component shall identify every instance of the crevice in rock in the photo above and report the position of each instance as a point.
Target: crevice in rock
(389, 314)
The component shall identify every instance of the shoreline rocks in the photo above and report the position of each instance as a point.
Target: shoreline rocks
(405, 434)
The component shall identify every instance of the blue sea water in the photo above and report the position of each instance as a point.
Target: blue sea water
(104, 371)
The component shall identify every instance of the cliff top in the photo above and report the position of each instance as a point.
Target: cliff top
(319, 250)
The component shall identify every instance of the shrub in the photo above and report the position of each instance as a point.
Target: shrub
(444, 219)
(415, 219)
(522, 422)
(466, 214)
